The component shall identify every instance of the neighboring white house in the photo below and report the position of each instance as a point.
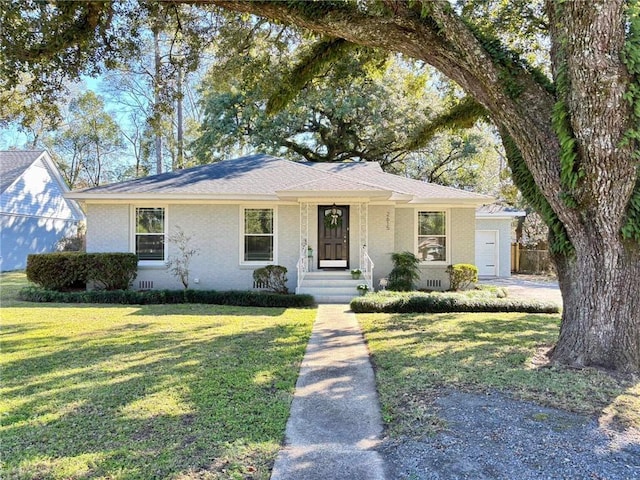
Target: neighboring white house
(316, 219)
(494, 226)
(34, 215)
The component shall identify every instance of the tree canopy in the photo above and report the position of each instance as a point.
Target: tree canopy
(87, 145)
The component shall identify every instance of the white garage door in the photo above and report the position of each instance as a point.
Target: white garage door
(487, 253)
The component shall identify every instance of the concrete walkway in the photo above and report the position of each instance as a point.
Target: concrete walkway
(335, 420)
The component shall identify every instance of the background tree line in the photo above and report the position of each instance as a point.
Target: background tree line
(184, 98)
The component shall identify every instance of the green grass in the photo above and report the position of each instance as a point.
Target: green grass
(139, 392)
(416, 355)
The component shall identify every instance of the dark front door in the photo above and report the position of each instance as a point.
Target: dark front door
(333, 236)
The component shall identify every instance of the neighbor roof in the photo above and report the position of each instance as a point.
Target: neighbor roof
(267, 177)
(498, 211)
(13, 163)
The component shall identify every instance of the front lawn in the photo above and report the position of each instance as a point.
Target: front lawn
(139, 392)
(417, 355)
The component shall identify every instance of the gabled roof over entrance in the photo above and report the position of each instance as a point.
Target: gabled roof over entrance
(263, 177)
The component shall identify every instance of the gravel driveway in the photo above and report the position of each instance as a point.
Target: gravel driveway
(490, 436)
(528, 286)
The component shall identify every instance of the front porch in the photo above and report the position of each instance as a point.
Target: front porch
(330, 286)
(334, 239)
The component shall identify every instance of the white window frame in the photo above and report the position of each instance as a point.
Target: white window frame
(447, 234)
(133, 228)
(242, 235)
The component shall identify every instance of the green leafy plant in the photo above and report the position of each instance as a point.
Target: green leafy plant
(272, 277)
(405, 271)
(363, 288)
(462, 276)
(356, 273)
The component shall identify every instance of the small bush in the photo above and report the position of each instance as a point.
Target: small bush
(112, 271)
(436, 302)
(462, 276)
(154, 297)
(405, 272)
(58, 271)
(68, 270)
(272, 277)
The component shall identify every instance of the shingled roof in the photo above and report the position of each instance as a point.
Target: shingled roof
(372, 173)
(265, 177)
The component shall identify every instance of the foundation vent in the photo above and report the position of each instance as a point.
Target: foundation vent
(145, 284)
(257, 284)
(433, 283)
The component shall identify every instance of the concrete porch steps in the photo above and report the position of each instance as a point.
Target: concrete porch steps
(330, 286)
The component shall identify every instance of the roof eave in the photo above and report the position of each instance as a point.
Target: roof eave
(501, 215)
(78, 195)
(470, 202)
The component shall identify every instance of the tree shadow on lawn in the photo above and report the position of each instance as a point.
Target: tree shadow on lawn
(199, 309)
(9, 329)
(152, 404)
(516, 329)
(209, 310)
(415, 354)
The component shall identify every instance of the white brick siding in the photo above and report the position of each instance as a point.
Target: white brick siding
(461, 241)
(215, 231)
(216, 234)
(381, 239)
(107, 228)
(289, 241)
(463, 235)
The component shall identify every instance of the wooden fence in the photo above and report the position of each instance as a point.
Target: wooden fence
(524, 260)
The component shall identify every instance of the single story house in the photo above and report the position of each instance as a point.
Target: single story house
(319, 220)
(494, 227)
(34, 215)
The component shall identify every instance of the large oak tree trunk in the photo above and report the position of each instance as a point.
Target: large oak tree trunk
(601, 312)
(599, 272)
(600, 280)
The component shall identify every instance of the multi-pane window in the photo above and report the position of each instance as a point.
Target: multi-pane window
(259, 234)
(150, 233)
(432, 236)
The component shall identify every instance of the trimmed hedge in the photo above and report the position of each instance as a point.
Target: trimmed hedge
(112, 271)
(153, 297)
(57, 271)
(436, 302)
(66, 270)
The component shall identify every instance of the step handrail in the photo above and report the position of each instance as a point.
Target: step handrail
(367, 266)
(302, 266)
